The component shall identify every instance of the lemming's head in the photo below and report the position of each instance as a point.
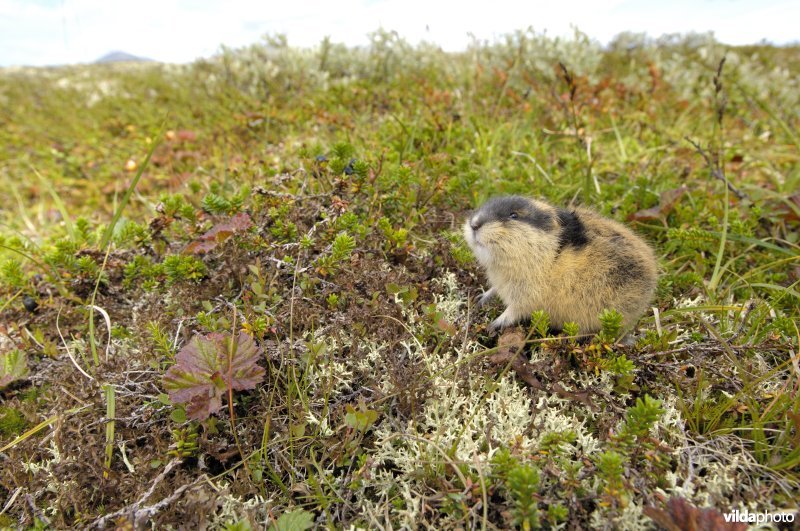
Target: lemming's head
(503, 224)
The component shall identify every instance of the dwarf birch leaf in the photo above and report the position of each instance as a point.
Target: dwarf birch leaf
(207, 367)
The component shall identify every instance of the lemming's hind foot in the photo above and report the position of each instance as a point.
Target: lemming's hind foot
(506, 319)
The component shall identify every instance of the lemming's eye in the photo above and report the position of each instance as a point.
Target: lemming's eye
(513, 215)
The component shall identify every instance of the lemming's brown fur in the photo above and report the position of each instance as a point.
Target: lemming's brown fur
(570, 263)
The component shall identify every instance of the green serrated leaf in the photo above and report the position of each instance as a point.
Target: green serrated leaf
(295, 520)
(13, 367)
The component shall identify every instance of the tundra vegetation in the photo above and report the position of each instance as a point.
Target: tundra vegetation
(234, 293)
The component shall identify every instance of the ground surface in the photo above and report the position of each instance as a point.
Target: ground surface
(311, 200)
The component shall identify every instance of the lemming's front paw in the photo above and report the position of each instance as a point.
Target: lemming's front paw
(485, 297)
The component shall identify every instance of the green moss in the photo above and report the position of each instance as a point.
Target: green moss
(12, 422)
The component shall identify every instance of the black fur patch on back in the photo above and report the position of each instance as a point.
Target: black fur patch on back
(573, 232)
(626, 270)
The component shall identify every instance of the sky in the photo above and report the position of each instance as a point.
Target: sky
(53, 32)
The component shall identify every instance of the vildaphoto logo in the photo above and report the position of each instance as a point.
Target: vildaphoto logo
(746, 517)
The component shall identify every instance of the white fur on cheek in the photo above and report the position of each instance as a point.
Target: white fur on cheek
(480, 251)
(468, 235)
(482, 254)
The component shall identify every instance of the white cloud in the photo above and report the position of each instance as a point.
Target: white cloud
(66, 31)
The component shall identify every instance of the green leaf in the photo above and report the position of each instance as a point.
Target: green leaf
(296, 520)
(406, 294)
(216, 204)
(178, 415)
(360, 419)
(241, 525)
(342, 247)
(13, 367)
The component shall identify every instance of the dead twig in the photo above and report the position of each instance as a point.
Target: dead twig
(715, 169)
(138, 513)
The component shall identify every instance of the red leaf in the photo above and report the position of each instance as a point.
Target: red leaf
(199, 247)
(219, 233)
(646, 214)
(186, 135)
(682, 515)
(788, 211)
(667, 201)
(509, 349)
(201, 407)
(207, 367)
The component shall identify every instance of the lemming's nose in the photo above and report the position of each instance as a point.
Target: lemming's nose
(475, 223)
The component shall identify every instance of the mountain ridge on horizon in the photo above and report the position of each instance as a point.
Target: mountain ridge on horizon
(117, 56)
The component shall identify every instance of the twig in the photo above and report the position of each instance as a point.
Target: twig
(167, 469)
(36, 511)
(284, 264)
(715, 170)
(233, 347)
(177, 336)
(138, 513)
(702, 348)
(584, 142)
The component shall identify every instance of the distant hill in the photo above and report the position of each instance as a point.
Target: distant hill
(120, 57)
